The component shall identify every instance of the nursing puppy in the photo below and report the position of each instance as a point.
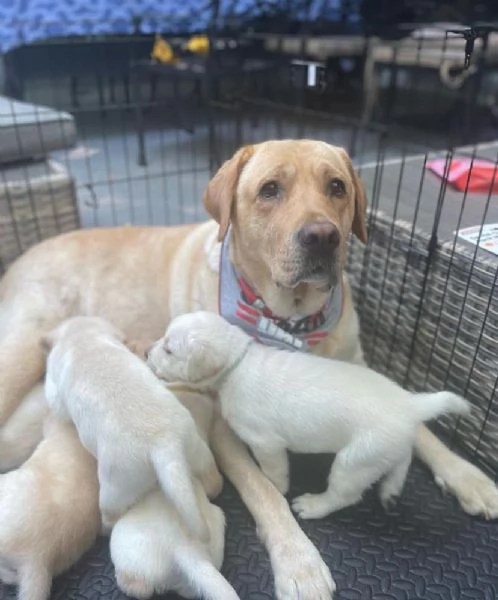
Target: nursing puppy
(277, 400)
(128, 420)
(49, 511)
(152, 550)
(24, 430)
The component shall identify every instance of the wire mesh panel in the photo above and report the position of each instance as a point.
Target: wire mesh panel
(430, 322)
(36, 202)
(37, 194)
(428, 301)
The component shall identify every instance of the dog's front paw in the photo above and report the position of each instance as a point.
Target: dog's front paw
(476, 493)
(300, 572)
(311, 506)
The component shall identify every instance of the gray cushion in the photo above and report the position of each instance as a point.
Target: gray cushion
(28, 131)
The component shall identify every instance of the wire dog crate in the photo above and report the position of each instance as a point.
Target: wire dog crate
(143, 148)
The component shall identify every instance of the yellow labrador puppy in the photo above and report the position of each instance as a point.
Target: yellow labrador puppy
(284, 211)
(135, 427)
(24, 430)
(153, 551)
(49, 511)
(276, 400)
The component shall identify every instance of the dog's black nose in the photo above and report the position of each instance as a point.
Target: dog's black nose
(320, 237)
(146, 353)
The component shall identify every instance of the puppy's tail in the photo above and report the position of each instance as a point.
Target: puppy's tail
(35, 581)
(429, 406)
(202, 575)
(175, 478)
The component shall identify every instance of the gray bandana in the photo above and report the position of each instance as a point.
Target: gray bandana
(240, 305)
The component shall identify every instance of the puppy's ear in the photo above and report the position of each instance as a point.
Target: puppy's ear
(202, 361)
(47, 342)
(359, 226)
(220, 192)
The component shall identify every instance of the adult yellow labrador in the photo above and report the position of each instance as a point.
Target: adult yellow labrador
(284, 210)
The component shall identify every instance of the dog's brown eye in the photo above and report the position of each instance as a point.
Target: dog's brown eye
(337, 188)
(269, 190)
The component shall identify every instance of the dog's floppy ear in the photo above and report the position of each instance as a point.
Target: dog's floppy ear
(359, 226)
(220, 192)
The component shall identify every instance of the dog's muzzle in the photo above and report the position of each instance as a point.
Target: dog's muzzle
(319, 242)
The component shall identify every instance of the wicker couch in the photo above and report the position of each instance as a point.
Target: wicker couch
(37, 195)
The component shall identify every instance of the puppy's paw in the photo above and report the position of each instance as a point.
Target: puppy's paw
(300, 572)
(311, 506)
(388, 495)
(388, 500)
(476, 493)
(134, 586)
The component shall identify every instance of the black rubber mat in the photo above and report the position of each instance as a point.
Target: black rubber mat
(425, 547)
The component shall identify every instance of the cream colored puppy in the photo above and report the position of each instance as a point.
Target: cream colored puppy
(128, 420)
(24, 430)
(152, 550)
(278, 400)
(49, 512)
